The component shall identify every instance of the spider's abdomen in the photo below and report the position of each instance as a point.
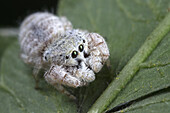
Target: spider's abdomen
(36, 32)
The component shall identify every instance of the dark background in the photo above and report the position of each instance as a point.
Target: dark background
(12, 12)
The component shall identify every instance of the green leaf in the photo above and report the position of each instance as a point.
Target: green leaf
(4, 43)
(17, 93)
(153, 75)
(157, 102)
(126, 25)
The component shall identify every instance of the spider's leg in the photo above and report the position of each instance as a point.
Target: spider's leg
(36, 70)
(61, 89)
(58, 76)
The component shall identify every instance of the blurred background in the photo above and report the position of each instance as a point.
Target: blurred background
(16, 10)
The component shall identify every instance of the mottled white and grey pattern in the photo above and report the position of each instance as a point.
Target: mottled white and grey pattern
(70, 56)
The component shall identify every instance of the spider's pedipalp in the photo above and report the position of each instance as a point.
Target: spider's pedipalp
(99, 51)
(58, 75)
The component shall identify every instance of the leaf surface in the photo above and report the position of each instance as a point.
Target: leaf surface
(125, 26)
(17, 93)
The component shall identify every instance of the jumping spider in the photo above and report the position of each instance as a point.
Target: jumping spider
(70, 56)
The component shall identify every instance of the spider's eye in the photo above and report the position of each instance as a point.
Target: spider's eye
(67, 57)
(74, 54)
(81, 48)
(84, 41)
(45, 58)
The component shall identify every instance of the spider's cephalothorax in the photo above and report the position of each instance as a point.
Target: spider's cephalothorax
(70, 49)
(70, 56)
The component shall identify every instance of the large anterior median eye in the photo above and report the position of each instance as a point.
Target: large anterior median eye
(74, 54)
(81, 48)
